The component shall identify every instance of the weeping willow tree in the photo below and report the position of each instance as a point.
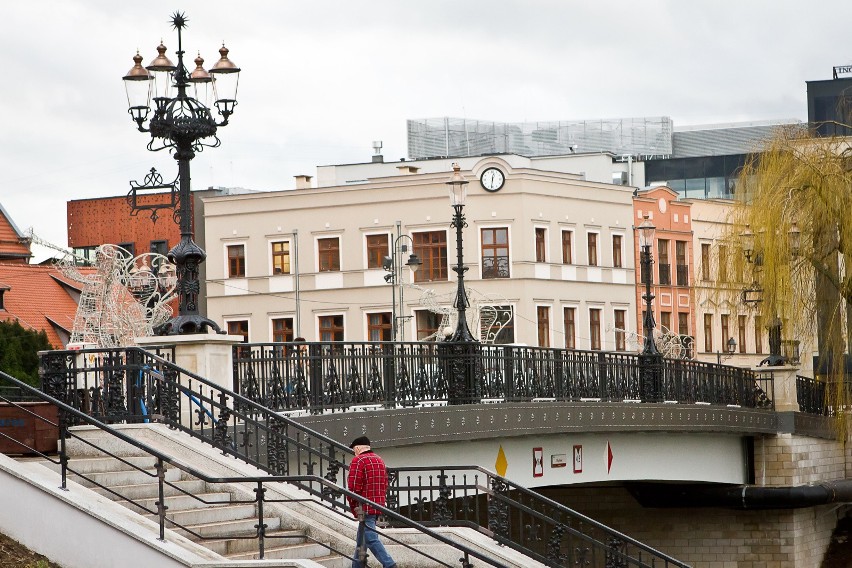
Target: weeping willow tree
(793, 228)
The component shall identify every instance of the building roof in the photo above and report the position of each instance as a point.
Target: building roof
(39, 298)
(14, 245)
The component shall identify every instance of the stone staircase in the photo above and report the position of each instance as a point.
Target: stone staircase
(209, 512)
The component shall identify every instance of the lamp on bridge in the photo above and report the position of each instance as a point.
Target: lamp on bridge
(755, 258)
(184, 125)
(463, 347)
(393, 265)
(650, 360)
(730, 349)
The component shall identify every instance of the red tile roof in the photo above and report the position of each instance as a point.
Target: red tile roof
(39, 298)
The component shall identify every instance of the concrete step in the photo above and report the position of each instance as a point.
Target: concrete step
(214, 514)
(306, 550)
(151, 491)
(129, 477)
(334, 561)
(105, 464)
(178, 502)
(226, 529)
(239, 546)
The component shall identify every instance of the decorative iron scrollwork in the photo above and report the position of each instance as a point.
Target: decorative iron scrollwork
(440, 509)
(220, 430)
(498, 509)
(276, 448)
(616, 553)
(554, 544)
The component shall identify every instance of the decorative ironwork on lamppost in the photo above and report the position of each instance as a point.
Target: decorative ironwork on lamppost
(754, 294)
(183, 125)
(650, 360)
(393, 265)
(463, 348)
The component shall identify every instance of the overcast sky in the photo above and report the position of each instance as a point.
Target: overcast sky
(322, 79)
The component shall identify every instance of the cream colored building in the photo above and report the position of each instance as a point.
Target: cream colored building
(551, 248)
(720, 318)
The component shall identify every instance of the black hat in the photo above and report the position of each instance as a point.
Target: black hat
(360, 441)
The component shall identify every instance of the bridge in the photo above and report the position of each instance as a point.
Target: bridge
(573, 425)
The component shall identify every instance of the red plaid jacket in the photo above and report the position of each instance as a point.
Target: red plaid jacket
(368, 477)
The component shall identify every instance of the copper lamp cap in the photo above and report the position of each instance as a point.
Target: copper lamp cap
(161, 62)
(199, 75)
(137, 72)
(224, 65)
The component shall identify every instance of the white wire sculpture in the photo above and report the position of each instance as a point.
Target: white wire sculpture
(484, 317)
(672, 345)
(123, 298)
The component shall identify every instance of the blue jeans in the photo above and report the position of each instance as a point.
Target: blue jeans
(373, 543)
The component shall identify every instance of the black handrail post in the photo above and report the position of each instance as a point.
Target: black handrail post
(315, 376)
(508, 372)
(261, 526)
(389, 372)
(63, 453)
(161, 503)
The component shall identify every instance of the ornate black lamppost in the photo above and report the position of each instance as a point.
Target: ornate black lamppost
(463, 348)
(650, 360)
(184, 125)
(393, 265)
(754, 294)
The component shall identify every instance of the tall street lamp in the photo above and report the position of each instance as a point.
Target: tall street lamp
(650, 360)
(463, 347)
(183, 124)
(393, 265)
(756, 259)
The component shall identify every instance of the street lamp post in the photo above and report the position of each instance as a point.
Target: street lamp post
(463, 347)
(184, 125)
(393, 265)
(730, 348)
(650, 360)
(756, 259)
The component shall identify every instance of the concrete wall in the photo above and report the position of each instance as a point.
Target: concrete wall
(709, 537)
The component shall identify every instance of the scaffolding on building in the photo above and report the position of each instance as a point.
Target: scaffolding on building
(457, 137)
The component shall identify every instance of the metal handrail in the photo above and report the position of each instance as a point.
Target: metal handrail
(306, 483)
(516, 517)
(133, 385)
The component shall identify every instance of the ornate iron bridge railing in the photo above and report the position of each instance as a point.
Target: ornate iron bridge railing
(338, 376)
(515, 516)
(319, 489)
(817, 396)
(133, 385)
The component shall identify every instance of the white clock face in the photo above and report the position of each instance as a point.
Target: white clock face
(492, 179)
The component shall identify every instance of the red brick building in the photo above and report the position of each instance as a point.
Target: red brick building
(672, 272)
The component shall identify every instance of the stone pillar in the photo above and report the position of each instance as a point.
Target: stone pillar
(208, 355)
(784, 386)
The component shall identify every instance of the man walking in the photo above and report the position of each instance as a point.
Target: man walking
(368, 477)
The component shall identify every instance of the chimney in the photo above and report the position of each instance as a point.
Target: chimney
(403, 170)
(377, 152)
(303, 182)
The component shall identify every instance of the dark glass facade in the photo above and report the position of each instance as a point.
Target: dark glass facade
(705, 177)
